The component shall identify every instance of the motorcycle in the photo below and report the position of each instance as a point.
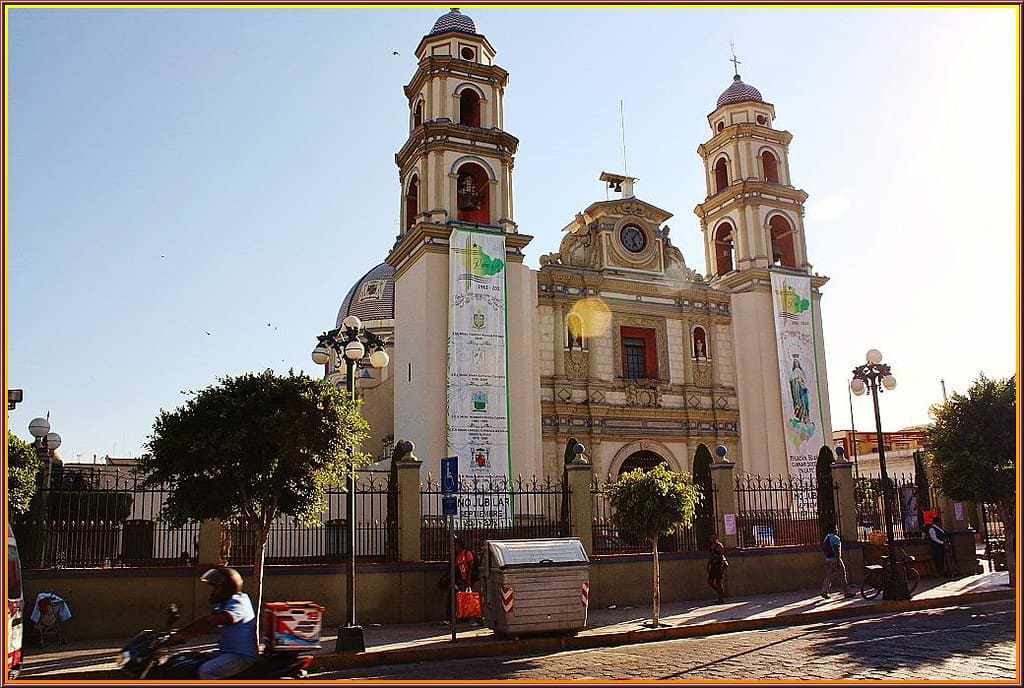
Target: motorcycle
(147, 656)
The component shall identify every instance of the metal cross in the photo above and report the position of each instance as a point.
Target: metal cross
(735, 63)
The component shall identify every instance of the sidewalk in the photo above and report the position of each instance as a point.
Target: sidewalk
(606, 627)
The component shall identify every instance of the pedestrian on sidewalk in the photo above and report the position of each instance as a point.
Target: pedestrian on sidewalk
(832, 547)
(717, 565)
(937, 539)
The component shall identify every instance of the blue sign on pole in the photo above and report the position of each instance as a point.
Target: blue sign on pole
(449, 506)
(450, 475)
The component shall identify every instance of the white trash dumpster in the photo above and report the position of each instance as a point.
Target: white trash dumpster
(536, 586)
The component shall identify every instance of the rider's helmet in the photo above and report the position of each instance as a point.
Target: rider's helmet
(225, 582)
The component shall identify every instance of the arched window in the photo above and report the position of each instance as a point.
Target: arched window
(783, 250)
(417, 115)
(771, 167)
(721, 175)
(700, 343)
(469, 108)
(473, 194)
(720, 127)
(412, 202)
(574, 338)
(724, 249)
(644, 460)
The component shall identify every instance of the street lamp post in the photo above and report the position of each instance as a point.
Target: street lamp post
(875, 376)
(46, 443)
(351, 343)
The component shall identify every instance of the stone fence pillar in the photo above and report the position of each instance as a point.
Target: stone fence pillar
(579, 477)
(846, 500)
(409, 519)
(722, 474)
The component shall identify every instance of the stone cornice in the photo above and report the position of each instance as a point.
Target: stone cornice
(750, 192)
(745, 280)
(746, 130)
(438, 135)
(425, 237)
(595, 281)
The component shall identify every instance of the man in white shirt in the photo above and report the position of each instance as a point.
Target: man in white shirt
(937, 539)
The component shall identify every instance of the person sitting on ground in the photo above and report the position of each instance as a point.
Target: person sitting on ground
(937, 539)
(717, 565)
(234, 615)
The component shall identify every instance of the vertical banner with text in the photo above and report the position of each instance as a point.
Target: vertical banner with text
(798, 372)
(477, 393)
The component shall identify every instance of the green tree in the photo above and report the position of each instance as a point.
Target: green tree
(973, 445)
(23, 466)
(650, 504)
(253, 447)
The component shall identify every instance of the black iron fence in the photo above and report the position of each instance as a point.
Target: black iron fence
(910, 502)
(775, 511)
(95, 516)
(609, 540)
(326, 539)
(993, 531)
(494, 508)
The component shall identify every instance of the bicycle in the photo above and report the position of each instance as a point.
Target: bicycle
(876, 576)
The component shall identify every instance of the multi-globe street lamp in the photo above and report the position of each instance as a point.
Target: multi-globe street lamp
(876, 377)
(351, 343)
(46, 442)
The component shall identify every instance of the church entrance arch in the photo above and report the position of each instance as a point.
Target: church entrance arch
(645, 460)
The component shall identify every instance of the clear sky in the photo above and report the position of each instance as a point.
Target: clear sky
(174, 172)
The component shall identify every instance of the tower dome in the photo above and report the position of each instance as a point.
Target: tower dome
(453, 21)
(738, 92)
(372, 297)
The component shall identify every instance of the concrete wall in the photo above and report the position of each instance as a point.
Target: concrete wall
(129, 600)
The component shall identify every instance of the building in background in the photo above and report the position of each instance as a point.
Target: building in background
(900, 447)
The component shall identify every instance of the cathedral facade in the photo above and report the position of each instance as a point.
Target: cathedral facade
(614, 341)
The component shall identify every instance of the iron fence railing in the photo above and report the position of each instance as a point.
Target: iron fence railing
(494, 508)
(97, 516)
(909, 501)
(326, 540)
(774, 511)
(693, 538)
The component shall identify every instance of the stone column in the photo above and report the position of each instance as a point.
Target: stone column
(846, 501)
(579, 477)
(725, 492)
(409, 518)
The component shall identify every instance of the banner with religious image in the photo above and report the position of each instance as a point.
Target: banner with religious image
(477, 392)
(798, 372)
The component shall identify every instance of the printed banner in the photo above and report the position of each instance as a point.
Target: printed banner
(798, 373)
(477, 394)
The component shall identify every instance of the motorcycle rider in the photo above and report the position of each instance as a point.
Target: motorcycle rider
(233, 614)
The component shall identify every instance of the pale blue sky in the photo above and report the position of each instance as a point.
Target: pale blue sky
(174, 171)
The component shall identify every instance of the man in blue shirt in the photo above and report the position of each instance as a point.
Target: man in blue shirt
(234, 615)
(832, 546)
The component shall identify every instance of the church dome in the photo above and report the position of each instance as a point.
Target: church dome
(372, 297)
(453, 21)
(739, 92)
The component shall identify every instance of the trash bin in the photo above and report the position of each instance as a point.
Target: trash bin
(536, 586)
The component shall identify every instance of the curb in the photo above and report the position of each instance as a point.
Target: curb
(543, 644)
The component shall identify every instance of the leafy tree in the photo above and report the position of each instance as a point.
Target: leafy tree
(650, 504)
(23, 466)
(253, 447)
(973, 445)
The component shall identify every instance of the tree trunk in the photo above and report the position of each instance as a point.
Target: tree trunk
(656, 601)
(1008, 517)
(257, 579)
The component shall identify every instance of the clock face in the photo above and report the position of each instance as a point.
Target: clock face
(633, 238)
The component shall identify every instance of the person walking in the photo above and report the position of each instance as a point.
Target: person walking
(937, 539)
(717, 565)
(832, 547)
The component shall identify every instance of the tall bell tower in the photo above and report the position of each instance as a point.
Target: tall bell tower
(455, 171)
(753, 225)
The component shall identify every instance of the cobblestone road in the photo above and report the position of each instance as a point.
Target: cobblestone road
(965, 643)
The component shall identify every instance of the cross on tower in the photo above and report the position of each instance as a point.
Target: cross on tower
(735, 62)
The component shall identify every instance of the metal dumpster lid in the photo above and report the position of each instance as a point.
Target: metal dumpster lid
(526, 552)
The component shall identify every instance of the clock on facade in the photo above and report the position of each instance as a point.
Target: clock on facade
(633, 238)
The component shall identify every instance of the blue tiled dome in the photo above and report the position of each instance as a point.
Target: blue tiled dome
(739, 92)
(372, 297)
(453, 21)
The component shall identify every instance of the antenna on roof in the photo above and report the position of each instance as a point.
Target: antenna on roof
(735, 62)
(622, 128)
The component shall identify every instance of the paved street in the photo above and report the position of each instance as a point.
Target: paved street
(971, 642)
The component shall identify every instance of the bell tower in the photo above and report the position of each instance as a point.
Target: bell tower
(455, 172)
(753, 225)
